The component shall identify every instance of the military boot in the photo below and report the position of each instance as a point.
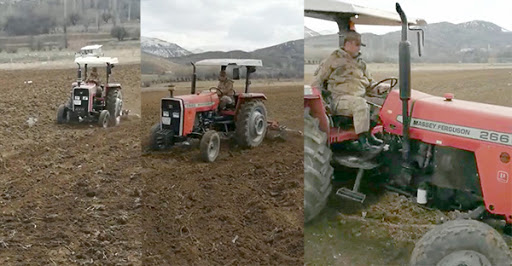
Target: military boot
(365, 145)
(374, 140)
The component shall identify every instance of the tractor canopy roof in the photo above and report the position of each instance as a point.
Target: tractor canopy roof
(335, 10)
(91, 47)
(229, 62)
(96, 61)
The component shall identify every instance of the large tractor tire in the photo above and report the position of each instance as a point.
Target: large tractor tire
(461, 242)
(155, 141)
(62, 116)
(251, 124)
(103, 120)
(210, 146)
(318, 171)
(114, 106)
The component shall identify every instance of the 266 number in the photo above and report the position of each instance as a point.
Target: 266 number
(495, 137)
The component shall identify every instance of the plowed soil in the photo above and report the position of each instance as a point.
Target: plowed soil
(68, 194)
(245, 208)
(384, 229)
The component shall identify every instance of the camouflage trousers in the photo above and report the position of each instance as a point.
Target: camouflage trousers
(225, 100)
(348, 105)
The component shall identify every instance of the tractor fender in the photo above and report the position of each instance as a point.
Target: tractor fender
(114, 85)
(245, 97)
(252, 95)
(313, 100)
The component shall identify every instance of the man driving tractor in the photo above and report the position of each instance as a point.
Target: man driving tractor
(225, 87)
(344, 74)
(94, 78)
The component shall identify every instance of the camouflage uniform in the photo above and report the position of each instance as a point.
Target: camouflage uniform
(226, 88)
(93, 77)
(348, 80)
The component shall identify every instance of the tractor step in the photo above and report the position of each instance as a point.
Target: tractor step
(351, 195)
(353, 161)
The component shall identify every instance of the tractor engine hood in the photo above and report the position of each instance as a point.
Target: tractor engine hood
(204, 101)
(471, 120)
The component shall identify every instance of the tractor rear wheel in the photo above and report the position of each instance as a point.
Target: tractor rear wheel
(461, 242)
(114, 105)
(318, 171)
(210, 146)
(251, 124)
(104, 119)
(62, 115)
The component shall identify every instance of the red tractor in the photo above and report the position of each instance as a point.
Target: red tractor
(449, 153)
(91, 101)
(199, 115)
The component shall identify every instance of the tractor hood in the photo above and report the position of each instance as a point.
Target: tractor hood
(203, 101)
(463, 113)
(478, 121)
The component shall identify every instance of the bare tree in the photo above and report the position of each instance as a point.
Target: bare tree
(106, 16)
(119, 32)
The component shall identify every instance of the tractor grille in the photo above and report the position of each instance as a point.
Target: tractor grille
(80, 101)
(172, 115)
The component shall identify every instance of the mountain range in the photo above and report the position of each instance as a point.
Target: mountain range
(474, 41)
(284, 60)
(161, 48)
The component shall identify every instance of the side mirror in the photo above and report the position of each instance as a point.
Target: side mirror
(236, 73)
(420, 34)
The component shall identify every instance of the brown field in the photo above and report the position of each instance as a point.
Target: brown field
(245, 208)
(68, 194)
(383, 230)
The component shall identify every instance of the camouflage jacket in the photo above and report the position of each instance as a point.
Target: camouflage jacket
(342, 74)
(226, 87)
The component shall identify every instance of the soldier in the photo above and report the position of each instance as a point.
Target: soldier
(226, 89)
(345, 76)
(94, 78)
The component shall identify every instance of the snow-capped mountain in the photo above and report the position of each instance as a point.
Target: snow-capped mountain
(308, 33)
(161, 48)
(482, 25)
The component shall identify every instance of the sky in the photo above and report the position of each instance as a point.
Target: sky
(223, 25)
(454, 11)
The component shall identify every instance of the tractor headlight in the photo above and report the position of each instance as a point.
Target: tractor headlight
(175, 115)
(77, 97)
(85, 98)
(166, 113)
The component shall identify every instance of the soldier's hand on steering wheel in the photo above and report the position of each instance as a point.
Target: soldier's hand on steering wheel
(219, 92)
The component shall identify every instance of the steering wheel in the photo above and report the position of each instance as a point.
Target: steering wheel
(216, 90)
(392, 84)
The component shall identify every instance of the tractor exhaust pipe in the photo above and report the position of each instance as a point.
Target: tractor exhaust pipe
(194, 76)
(79, 75)
(404, 53)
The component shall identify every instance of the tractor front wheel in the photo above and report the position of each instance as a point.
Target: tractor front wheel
(156, 142)
(62, 115)
(114, 105)
(210, 146)
(251, 124)
(104, 119)
(461, 242)
(318, 171)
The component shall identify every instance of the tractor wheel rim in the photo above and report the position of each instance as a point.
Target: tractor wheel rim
(105, 122)
(212, 148)
(465, 257)
(258, 121)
